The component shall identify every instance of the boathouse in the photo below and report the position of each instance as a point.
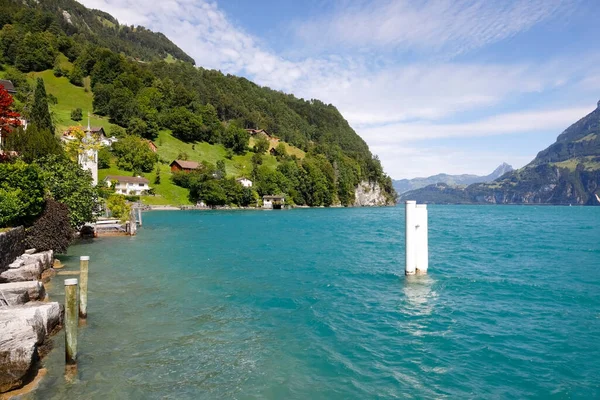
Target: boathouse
(273, 202)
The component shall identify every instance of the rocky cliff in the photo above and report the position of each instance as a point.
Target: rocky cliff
(369, 194)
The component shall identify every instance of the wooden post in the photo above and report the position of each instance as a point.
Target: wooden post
(140, 215)
(83, 285)
(71, 321)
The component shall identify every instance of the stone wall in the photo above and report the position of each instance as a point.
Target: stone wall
(12, 245)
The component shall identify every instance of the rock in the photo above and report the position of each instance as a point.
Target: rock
(19, 337)
(34, 289)
(28, 267)
(29, 251)
(51, 314)
(369, 195)
(13, 299)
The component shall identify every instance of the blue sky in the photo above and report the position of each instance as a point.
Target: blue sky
(455, 86)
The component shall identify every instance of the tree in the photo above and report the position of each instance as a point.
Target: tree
(221, 171)
(261, 145)
(184, 124)
(80, 143)
(21, 193)
(236, 139)
(8, 117)
(35, 52)
(137, 127)
(76, 76)
(33, 143)
(67, 183)
(40, 113)
(52, 230)
(157, 177)
(104, 157)
(209, 191)
(76, 114)
(134, 154)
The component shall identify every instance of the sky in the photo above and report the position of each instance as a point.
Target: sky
(452, 86)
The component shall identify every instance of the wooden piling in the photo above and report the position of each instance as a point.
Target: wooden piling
(71, 321)
(83, 285)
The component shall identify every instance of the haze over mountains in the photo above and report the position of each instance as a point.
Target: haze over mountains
(404, 185)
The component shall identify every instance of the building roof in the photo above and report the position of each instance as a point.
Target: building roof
(8, 86)
(185, 164)
(257, 131)
(126, 179)
(243, 178)
(96, 129)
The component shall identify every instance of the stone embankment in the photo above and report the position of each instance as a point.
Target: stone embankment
(26, 318)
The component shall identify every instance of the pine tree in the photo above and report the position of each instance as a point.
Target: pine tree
(40, 113)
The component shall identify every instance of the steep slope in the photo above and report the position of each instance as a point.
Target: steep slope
(404, 185)
(567, 172)
(95, 26)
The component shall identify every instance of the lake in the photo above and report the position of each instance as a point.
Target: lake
(314, 304)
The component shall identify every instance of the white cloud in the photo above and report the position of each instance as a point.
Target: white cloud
(553, 120)
(454, 26)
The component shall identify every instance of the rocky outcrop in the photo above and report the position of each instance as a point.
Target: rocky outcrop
(28, 267)
(22, 329)
(33, 290)
(369, 194)
(12, 245)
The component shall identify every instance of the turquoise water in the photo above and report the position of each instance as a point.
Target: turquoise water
(313, 304)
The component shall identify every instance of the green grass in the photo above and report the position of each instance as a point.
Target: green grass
(69, 97)
(170, 59)
(166, 192)
(589, 163)
(169, 149)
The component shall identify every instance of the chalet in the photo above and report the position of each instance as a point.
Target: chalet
(8, 86)
(245, 182)
(273, 202)
(186, 166)
(130, 185)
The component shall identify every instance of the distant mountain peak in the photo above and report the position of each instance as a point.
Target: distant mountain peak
(405, 185)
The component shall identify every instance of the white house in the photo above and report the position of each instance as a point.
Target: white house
(245, 182)
(131, 185)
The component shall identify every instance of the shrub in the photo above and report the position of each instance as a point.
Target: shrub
(76, 114)
(52, 230)
(118, 207)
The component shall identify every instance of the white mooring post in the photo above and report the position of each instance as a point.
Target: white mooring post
(417, 246)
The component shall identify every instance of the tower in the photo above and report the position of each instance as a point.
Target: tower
(88, 157)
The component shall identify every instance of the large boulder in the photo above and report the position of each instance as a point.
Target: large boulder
(28, 267)
(34, 289)
(22, 329)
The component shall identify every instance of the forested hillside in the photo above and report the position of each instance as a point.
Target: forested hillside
(193, 104)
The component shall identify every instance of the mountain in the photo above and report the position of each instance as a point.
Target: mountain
(567, 172)
(404, 185)
(144, 85)
(94, 26)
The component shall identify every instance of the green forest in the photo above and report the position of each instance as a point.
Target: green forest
(146, 86)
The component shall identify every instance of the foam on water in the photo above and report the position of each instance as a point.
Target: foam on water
(313, 304)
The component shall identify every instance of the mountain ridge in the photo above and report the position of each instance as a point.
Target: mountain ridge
(566, 172)
(405, 185)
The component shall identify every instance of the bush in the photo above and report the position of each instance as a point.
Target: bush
(21, 193)
(52, 230)
(118, 207)
(132, 198)
(76, 114)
